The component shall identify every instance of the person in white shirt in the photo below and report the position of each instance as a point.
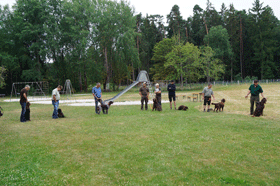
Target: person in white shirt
(55, 100)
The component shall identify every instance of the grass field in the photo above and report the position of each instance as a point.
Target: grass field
(133, 147)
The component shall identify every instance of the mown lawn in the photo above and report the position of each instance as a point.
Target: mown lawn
(133, 147)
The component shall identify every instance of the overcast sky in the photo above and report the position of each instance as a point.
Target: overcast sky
(163, 7)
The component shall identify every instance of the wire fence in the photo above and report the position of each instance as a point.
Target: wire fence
(197, 86)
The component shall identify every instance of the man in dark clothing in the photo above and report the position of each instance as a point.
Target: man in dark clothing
(144, 93)
(171, 88)
(255, 89)
(23, 101)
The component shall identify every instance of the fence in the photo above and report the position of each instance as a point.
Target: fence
(197, 86)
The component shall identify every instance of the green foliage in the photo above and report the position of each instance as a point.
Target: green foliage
(212, 68)
(88, 41)
(159, 70)
(2, 76)
(186, 62)
(181, 58)
(238, 77)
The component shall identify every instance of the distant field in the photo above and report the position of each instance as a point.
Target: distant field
(133, 147)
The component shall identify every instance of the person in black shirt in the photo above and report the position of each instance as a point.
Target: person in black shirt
(23, 100)
(171, 88)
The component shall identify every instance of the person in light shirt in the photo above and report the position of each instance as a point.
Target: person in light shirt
(55, 100)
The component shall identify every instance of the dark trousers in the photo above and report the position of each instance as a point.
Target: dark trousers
(55, 108)
(23, 110)
(96, 104)
(207, 100)
(159, 100)
(146, 102)
(254, 99)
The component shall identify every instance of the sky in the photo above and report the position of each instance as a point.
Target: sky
(163, 7)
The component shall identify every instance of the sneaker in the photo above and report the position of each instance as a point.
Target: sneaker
(170, 108)
(203, 110)
(208, 110)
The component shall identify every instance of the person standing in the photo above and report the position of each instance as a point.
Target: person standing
(158, 93)
(23, 101)
(144, 93)
(171, 88)
(97, 94)
(206, 96)
(255, 89)
(55, 100)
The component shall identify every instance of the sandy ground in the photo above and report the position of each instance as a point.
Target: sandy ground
(77, 102)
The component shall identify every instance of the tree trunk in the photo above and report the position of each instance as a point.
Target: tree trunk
(85, 78)
(182, 81)
(187, 34)
(106, 67)
(208, 69)
(80, 81)
(231, 70)
(241, 49)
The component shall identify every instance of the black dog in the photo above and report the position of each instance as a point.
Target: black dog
(259, 110)
(60, 113)
(156, 105)
(219, 106)
(104, 107)
(27, 112)
(182, 107)
(1, 113)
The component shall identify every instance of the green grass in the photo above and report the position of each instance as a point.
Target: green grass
(133, 147)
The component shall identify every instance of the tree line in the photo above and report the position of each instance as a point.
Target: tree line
(89, 41)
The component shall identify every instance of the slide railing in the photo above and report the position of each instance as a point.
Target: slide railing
(142, 77)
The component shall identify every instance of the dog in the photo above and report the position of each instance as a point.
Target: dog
(182, 107)
(219, 106)
(27, 111)
(156, 105)
(1, 112)
(104, 107)
(259, 109)
(60, 113)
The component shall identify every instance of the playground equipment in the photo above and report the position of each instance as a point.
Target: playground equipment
(68, 89)
(39, 88)
(142, 77)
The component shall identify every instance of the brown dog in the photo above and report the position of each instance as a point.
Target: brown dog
(219, 106)
(27, 111)
(105, 107)
(156, 105)
(259, 110)
(182, 107)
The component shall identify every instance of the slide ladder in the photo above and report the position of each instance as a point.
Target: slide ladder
(142, 77)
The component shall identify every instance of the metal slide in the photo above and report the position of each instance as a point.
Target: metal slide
(142, 77)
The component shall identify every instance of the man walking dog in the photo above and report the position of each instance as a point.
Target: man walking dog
(23, 101)
(255, 89)
(206, 96)
(55, 101)
(97, 94)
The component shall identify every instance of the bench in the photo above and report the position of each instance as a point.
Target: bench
(194, 98)
(2, 95)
